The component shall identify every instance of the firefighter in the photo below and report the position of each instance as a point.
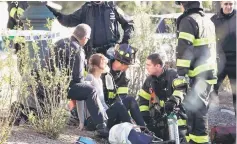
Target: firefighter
(196, 67)
(124, 55)
(15, 9)
(156, 90)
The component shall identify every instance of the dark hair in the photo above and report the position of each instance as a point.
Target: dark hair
(155, 59)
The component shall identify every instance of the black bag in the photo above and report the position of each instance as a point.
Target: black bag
(223, 135)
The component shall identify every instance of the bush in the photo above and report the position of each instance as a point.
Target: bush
(9, 87)
(145, 39)
(43, 86)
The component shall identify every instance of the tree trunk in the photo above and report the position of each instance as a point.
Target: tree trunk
(216, 6)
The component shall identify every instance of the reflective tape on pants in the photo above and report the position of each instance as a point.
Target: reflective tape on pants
(199, 139)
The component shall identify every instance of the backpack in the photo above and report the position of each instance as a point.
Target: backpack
(223, 135)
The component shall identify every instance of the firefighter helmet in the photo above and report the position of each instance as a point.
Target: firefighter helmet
(125, 53)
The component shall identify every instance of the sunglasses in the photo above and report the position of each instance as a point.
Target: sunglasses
(226, 4)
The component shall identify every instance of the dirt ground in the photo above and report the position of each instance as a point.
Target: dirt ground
(26, 135)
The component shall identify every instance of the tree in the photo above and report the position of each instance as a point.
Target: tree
(216, 5)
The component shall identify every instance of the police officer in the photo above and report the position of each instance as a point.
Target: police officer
(103, 18)
(124, 55)
(156, 90)
(15, 9)
(225, 23)
(196, 67)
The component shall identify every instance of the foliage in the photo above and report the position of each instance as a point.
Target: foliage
(147, 42)
(9, 87)
(42, 86)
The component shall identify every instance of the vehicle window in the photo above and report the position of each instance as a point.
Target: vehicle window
(166, 25)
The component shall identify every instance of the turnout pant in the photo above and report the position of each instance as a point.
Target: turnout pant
(131, 104)
(196, 105)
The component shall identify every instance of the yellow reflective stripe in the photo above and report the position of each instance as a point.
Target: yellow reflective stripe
(20, 11)
(183, 63)
(178, 94)
(187, 36)
(12, 12)
(144, 108)
(214, 81)
(199, 139)
(144, 94)
(85, 73)
(187, 138)
(111, 95)
(178, 82)
(182, 122)
(162, 103)
(122, 90)
(121, 52)
(203, 41)
(201, 68)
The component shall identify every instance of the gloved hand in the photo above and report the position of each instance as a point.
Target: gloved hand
(171, 104)
(147, 119)
(181, 82)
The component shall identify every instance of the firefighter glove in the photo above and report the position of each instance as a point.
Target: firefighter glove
(171, 104)
(181, 82)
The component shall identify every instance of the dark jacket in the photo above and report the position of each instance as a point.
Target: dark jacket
(226, 40)
(161, 86)
(69, 53)
(196, 49)
(15, 9)
(106, 25)
(120, 84)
